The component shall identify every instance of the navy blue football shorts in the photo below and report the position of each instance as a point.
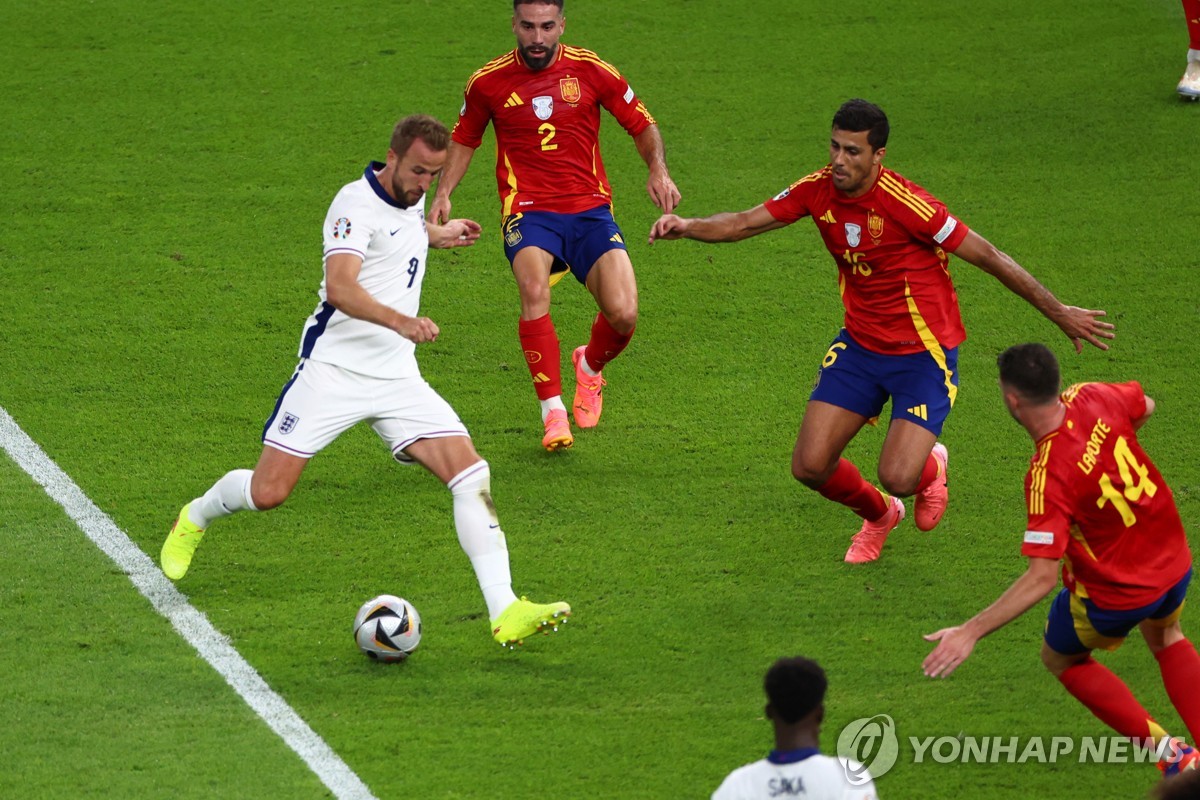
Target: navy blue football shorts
(922, 385)
(575, 240)
(1076, 624)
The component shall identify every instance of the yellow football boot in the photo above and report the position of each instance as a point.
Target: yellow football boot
(180, 545)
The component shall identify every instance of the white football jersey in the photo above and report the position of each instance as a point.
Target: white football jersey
(394, 244)
(806, 775)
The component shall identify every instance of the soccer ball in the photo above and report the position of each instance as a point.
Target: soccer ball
(387, 628)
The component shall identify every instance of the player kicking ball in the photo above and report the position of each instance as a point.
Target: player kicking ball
(1096, 502)
(358, 363)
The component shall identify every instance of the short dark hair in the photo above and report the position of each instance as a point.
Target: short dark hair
(558, 3)
(795, 687)
(1183, 786)
(1032, 370)
(859, 115)
(419, 126)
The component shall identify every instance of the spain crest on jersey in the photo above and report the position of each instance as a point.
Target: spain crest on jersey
(569, 89)
(875, 225)
(853, 234)
(543, 106)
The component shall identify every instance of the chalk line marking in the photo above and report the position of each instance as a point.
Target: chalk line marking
(192, 625)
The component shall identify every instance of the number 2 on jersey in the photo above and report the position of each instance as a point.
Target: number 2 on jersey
(549, 130)
(1134, 477)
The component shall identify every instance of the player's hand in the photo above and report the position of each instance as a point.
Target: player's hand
(417, 329)
(954, 645)
(1080, 324)
(439, 212)
(668, 226)
(663, 191)
(455, 233)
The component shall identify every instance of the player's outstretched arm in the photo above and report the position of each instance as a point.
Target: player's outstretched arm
(661, 188)
(1079, 324)
(457, 160)
(455, 233)
(724, 227)
(1140, 421)
(346, 294)
(956, 644)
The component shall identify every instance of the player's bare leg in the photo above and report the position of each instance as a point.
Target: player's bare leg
(913, 462)
(1058, 663)
(275, 476)
(539, 342)
(824, 433)
(1159, 637)
(817, 463)
(905, 451)
(612, 283)
(444, 456)
(454, 461)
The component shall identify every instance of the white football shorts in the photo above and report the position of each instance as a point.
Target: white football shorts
(321, 401)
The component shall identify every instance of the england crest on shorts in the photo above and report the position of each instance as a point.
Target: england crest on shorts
(853, 234)
(288, 423)
(543, 106)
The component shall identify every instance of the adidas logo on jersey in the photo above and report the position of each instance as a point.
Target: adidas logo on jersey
(919, 411)
(616, 237)
(828, 217)
(513, 100)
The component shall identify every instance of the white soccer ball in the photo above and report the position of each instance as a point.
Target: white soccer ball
(387, 628)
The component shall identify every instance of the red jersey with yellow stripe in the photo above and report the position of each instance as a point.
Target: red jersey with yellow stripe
(1095, 497)
(891, 248)
(547, 125)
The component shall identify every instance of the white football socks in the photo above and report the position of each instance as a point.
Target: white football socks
(551, 404)
(480, 536)
(583, 362)
(227, 496)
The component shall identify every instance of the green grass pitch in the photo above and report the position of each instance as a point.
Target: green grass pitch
(166, 169)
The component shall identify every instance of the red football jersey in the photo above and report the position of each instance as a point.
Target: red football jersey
(890, 246)
(547, 125)
(1095, 496)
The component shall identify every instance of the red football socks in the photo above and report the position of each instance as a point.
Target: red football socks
(605, 343)
(928, 473)
(1191, 11)
(846, 486)
(542, 355)
(1107, 696)
(1180, 667)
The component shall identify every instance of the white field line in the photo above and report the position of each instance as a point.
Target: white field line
(192, 625)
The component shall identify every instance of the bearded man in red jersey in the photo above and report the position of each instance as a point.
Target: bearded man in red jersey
(543, 100)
